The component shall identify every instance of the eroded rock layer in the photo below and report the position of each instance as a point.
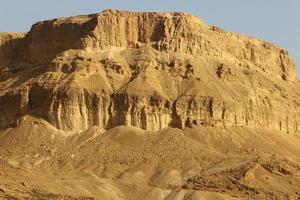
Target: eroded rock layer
(150, 70)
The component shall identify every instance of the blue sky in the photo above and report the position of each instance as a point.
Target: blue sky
(277, 21)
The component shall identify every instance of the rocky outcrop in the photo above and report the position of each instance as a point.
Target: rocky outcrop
(150, 70)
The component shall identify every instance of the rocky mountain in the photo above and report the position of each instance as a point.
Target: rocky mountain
(156, 72)
(150, 70)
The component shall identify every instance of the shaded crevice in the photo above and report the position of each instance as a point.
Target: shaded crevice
(176, 121)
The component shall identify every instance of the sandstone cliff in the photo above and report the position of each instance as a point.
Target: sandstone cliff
(150, 70)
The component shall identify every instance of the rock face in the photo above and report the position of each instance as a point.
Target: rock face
(150, 70)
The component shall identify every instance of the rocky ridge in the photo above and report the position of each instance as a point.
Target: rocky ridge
(149, 70)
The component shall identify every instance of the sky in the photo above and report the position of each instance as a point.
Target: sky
(276, 21)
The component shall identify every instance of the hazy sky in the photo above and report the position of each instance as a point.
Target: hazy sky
(276, 21)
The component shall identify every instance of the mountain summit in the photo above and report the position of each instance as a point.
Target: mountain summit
(150, 70)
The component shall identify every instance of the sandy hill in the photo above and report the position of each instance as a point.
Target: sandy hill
(128, 105)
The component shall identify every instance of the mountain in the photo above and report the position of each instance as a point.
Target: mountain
(124, 105)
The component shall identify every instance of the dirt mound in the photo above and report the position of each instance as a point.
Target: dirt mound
(128, 162)
(260, 178)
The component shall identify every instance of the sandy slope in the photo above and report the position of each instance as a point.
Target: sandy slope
(41, 162)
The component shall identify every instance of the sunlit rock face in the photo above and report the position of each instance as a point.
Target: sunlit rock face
(149, 70)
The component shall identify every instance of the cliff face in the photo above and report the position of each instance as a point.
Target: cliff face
(150, 70)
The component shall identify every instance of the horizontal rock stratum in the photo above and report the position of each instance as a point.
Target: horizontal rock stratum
(149, 70)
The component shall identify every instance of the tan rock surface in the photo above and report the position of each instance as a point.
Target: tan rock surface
(124, 105)
(150, 70)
